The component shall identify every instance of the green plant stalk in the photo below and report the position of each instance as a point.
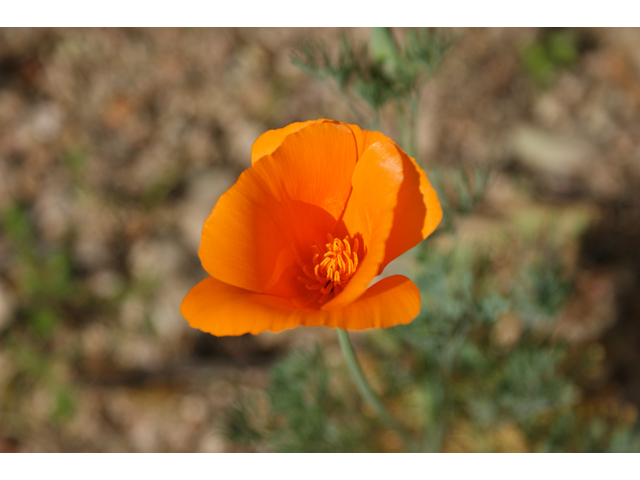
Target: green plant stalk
(364, 388)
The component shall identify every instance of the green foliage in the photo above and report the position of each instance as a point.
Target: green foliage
(47, 288)
(540, 290)
(303, 414)
(480, 382)
(386, 72)
(453, 302)
(44, 278)
(64, 406)
(543, 58)
(460, 190)
(75, 160)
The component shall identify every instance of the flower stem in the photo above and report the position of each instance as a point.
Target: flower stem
(363, 385)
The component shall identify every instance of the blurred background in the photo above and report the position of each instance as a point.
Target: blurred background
(115, 145)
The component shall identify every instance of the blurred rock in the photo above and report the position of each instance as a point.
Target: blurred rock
(154, 259)
(105, 283)
(212, 442)
(132, 312)
(597, 121)
(193, 409)
(177, 436)
(41, 404)
(241, 135)
(563, 162)
(144, 433)
(165, 309)
(47, 123)
(137, 351)
(201, 147)
(11, 104)
(550, 111)
(53, 211)
(550, 154)
(96, 225)
(202, 194)
(89, 426)
(570, 89)
(152, 167)
(95, 340)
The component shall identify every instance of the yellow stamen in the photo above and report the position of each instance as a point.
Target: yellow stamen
(332, 268)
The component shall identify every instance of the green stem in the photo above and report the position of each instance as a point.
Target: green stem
(363, 385)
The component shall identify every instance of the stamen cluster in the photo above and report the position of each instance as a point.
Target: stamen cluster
(332, 268)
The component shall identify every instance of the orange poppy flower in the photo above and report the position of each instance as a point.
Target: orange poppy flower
(299, 237)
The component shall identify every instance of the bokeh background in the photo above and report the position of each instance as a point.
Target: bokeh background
(116, 143)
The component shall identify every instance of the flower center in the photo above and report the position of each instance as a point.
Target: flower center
(332, 268)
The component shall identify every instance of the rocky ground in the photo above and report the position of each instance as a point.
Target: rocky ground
(116, 143)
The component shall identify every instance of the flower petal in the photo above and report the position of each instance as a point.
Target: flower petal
(269, 141)
(366, 138)
(264, 226)
(417, 213)
(376, 181)
(221, 309)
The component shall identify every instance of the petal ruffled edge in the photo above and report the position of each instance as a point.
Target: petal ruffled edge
(222, 309)
(366, 138)
(269, 141)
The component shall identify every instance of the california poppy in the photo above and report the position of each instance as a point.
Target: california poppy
(297, 239)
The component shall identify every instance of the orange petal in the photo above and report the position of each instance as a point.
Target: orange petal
(376, 181)
(221, 309)
(366, 138)
(267, 143)
(263, 227)
(417, 213)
